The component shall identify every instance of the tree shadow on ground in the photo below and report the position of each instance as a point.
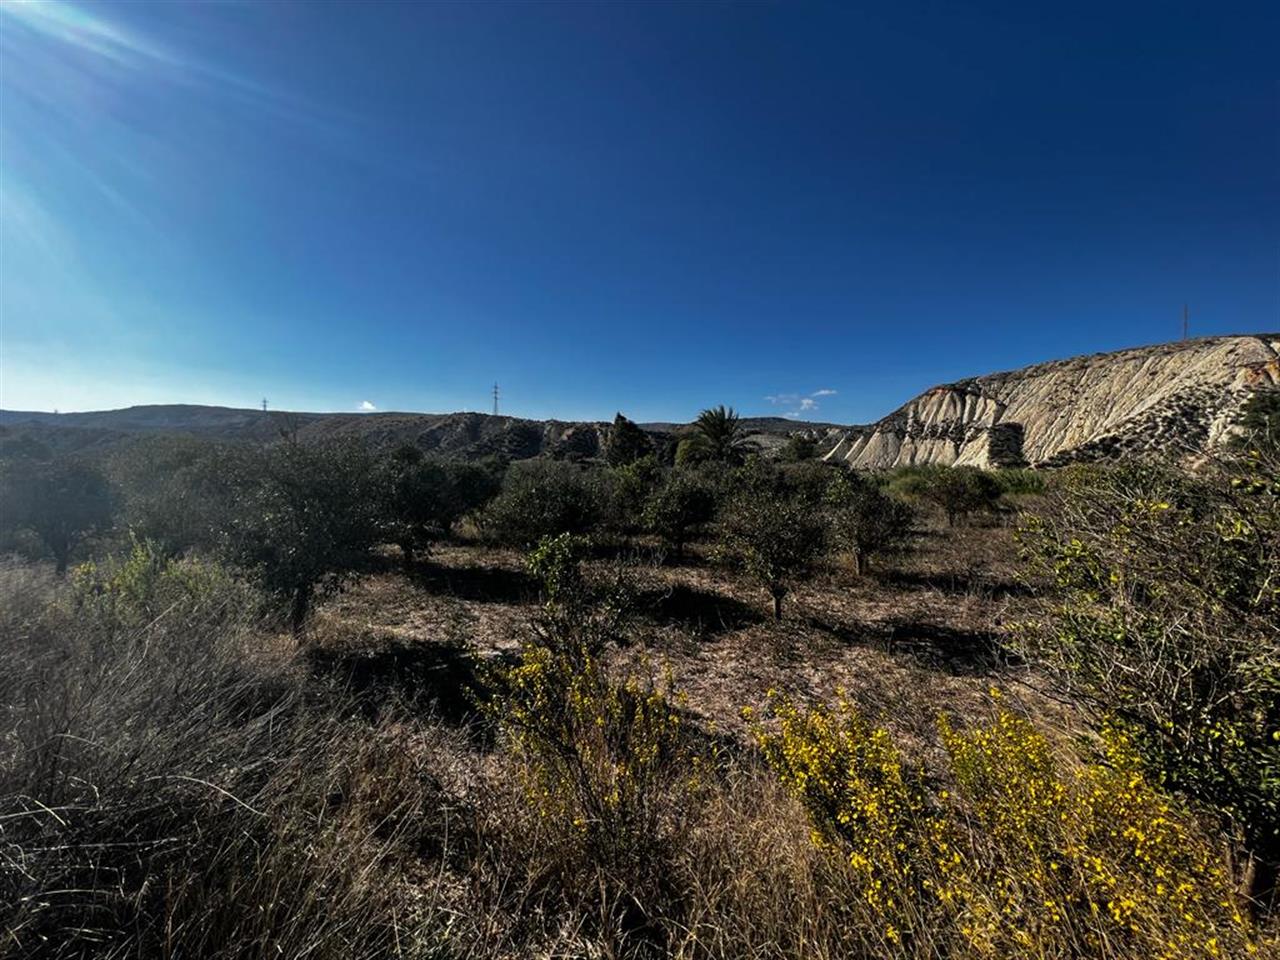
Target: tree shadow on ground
(933, 645)
(481, 584)
(953, 584)
(432, 679)
(699, 612)
(955, 651)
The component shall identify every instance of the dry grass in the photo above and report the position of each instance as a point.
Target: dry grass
(199, 786)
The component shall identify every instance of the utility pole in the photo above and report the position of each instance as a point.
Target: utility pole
(495, 399)
(1186, 321)
(264, 404)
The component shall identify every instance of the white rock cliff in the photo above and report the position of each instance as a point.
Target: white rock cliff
(1180, 396)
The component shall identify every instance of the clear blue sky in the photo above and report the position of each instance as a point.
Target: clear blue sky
(649, 207)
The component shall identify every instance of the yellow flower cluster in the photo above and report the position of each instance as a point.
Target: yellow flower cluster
(1026, 858)
(593, 751)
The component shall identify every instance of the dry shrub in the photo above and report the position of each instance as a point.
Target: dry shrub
(162, 795)
(601, 767)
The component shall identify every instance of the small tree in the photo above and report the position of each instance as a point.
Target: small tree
(957, 491)
(418, 501)
(544, 498)
(776, 538)
(680, 508)
(629, 490)
(798, 448)
(307, 520)
(62, 500)
(865, 521)
(719, 431)
(626, 443)
(174, 490)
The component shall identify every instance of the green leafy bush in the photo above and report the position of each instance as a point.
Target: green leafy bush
(957, 491)
(864, 520)
(629, 489)
(544, 498)
(1161, 609)
(62, 500)
(680, 509)
(626, 443)
(148, 585)
(306, 520)
(775, 537)
(423, 499)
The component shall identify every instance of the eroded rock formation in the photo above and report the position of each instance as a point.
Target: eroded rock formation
(1182, 396)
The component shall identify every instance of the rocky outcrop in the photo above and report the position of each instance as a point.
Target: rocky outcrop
(1180, 396)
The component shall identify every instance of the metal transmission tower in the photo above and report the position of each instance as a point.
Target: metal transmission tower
(495, 399)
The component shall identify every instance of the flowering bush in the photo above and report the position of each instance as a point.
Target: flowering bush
(1161, 610)
(1025, 858)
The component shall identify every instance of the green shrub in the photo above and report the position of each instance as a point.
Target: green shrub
(865, 521)
(176, 492)
(691, 449)
(148, 585)
(680, 509)
(1259, 425)
(775, 537)
(956, 491)
(307, 520)
(798, 448)
(423, 499)
(1014, 481)
(543, 498)
(598, 752)
(629, 489)
(62, 500)
(626, 443)
(1161, 610)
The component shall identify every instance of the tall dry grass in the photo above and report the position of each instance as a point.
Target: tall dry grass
(167, 791)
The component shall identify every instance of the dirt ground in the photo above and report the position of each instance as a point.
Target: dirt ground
(919, 634)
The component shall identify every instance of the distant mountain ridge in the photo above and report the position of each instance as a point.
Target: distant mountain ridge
(467, 435)
(1182, 395)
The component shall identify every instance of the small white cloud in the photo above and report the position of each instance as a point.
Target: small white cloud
(799, 404)
(366, 406)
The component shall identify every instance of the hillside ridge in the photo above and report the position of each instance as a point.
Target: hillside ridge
(1182, 394)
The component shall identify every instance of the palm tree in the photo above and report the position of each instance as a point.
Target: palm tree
(720, 430)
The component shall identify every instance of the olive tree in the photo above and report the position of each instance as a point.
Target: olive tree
(776, 537)
(423, 499)
(544, 498)
(306, 519)
(62, 500)
(680, 508)
(956, 491)
(864, 520)
(174, 490)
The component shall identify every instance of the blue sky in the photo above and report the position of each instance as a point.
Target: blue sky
(791, 208)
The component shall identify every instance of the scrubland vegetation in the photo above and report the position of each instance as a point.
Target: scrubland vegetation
(331, 701)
